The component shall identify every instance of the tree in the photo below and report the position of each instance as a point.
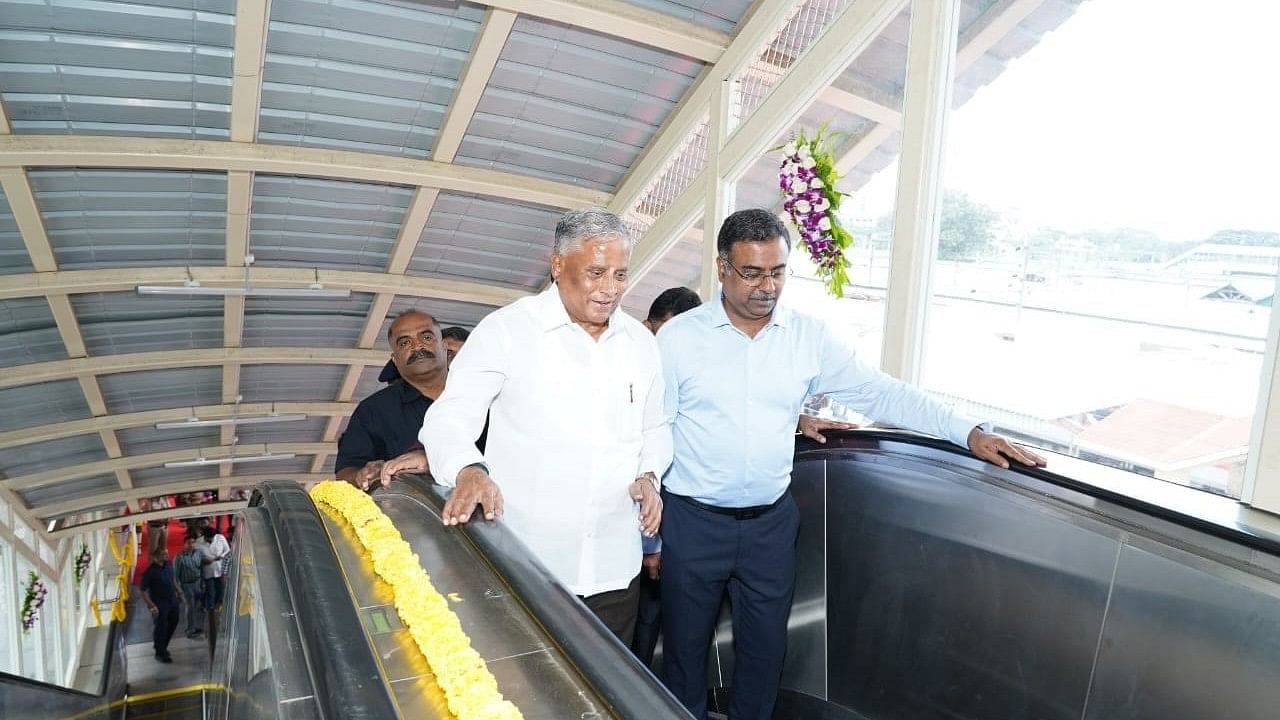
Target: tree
(968, 228)
(1245, 237)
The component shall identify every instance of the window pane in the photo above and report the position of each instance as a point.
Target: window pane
(1110, 236)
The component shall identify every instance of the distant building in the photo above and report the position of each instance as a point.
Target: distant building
(1209, 260)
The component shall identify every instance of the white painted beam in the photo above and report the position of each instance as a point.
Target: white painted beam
(415, 222)
(917, 213)
(249, 49)
(176, 488)
(475, 76)
(718, 191)
(33, 373)
(628, 21)
(134, 152)
(22, 203)
(132, 462)
(219, 508)
(126, 279)
(68, 327)
(123, 421)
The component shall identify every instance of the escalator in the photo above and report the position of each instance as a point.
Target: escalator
(933, 586)
(930, 586)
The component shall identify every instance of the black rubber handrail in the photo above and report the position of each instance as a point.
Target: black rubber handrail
(628, 687)
(345, 672)
(1242, 533)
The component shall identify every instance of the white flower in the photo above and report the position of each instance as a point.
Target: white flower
(807, 161)
(803, 151)
(788, 168)
(790, 148)
(822, 205)
(817, 183)
(803, 207)
(824, 224)
(799, 186)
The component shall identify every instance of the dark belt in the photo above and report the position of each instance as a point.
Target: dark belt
(738, 513)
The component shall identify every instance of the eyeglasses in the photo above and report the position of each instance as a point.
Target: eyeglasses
(755, 278)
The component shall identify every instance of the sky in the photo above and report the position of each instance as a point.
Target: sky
(1154, 114)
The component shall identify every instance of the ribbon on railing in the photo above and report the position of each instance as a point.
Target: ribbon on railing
(97, 613)
(124, 559)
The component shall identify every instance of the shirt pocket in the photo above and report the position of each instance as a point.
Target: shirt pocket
(628, 400)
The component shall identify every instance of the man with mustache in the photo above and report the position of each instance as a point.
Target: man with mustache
(386, 423)
(737, 372)
(579, 438)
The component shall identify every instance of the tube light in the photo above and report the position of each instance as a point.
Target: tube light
(315, 291)
(228, 460)
(251, 420)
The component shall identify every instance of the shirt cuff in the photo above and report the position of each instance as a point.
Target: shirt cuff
(461, 461)
(962, 425)
(651, 545)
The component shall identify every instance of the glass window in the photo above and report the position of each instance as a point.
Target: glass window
(31, 641)
(1110, 238)
(9, 604)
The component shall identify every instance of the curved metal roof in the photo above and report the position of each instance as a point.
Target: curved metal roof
(415, 152)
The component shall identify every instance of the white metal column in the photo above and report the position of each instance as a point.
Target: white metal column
(931, 52)
(1262, 471)
(719, 191)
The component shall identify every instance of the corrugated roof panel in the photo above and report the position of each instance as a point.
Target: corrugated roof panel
(722, 15)
(13, 252)
(50, 455)
(309, 430)
(112, 218)
(360, 75)
(106, 68)
(446, 312)
(325, 223)
(28, 333)
(297, 383)
(68, 490)
(155, 476)
(313, 323)
(147, 440)
(125, 322)
(470, 237)
(156, 389)
(368, 383)
(41, 404)
(883, 65)
(572, 105)
(299, 464)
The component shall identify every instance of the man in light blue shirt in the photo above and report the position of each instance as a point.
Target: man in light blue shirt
(737, 372)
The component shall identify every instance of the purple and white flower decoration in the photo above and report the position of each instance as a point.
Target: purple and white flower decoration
(32, 601)
(807, 179)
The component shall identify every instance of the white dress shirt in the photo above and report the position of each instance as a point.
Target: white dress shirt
(572, 422)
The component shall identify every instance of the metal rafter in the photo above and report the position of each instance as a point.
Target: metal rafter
(132, 152)
(175, 488)
(218, 508)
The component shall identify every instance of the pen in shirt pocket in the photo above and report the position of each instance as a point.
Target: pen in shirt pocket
(631, 393)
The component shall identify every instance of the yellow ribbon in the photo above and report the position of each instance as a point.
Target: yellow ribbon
(97, 614)
(124, 559)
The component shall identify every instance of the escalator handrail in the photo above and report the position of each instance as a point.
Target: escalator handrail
(345, 672)
(608, 665)
(1256, 530)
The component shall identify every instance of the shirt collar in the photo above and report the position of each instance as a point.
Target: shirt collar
(781, 315)
(409, 393)
(549, 309)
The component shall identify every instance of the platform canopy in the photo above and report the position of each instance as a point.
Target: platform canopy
(415, 154)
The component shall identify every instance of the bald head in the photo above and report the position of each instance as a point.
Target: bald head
(416, 347)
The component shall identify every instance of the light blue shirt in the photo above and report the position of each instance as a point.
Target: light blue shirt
(734, 401)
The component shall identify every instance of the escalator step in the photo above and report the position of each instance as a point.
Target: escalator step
(178, 707)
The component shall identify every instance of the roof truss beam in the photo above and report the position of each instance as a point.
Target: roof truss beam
(186, 486)
(218, 508)
(133, 152)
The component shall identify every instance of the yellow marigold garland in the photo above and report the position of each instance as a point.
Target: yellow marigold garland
(469, 687)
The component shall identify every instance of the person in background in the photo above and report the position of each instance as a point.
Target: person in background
(214, 548)
(668, 304)
(189, 568)
(454, 339)
(385, 424)
(737, 372)
(163, 598)
(579, 436)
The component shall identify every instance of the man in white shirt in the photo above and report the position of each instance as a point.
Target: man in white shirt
(214, 547)
(574, 392)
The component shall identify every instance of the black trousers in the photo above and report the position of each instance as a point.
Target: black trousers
(166, 621)
(648, 619)
(617, 610)
(704, 555)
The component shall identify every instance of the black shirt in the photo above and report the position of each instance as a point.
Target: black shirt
(157, 581)
(385, 425)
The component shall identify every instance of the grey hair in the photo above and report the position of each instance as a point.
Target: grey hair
(585, 224)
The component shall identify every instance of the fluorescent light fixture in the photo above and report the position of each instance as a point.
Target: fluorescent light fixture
(250, 420)
(228, 460)
(195, 288)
